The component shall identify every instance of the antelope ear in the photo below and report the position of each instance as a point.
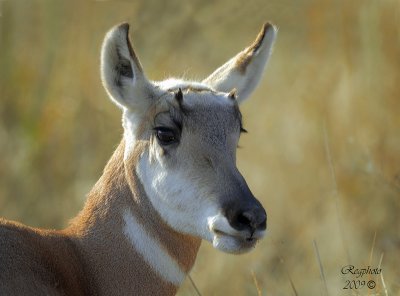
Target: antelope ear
(121, 72)
(244, 71)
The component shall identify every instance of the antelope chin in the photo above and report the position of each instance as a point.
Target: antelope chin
(233, 244)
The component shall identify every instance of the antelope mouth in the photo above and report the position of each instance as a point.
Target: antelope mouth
(247, 239)
(230, 240)
(233, 243)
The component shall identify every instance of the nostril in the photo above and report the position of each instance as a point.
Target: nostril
(244, 219)
(250, 218)
(254, 219)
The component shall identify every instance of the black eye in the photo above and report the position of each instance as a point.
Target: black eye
(166, 136)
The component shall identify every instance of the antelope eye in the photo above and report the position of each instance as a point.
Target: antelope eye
(166, 136)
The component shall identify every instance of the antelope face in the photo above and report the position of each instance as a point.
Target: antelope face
(190, 131)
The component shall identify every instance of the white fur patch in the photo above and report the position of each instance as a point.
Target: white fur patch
(173, 83)
(183, 205)
(158, 259)
(130, 122)
(220, 223)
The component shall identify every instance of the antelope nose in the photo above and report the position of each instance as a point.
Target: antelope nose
(254, 219)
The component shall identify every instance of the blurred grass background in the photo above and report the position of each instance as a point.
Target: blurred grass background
(323, 152)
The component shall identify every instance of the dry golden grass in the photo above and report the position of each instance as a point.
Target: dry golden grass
(323, 152)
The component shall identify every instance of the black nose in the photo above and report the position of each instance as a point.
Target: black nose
(252, 219)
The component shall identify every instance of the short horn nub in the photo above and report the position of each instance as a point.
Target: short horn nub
(233, 94)
(179, 97)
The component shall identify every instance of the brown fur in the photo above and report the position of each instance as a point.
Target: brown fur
(92, 256)
(246, 56)
(38, 262)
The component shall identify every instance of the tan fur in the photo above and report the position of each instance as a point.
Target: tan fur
(39, 262)
(91, 256)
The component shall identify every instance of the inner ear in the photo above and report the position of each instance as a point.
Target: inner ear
(124, 68)
(122, 73)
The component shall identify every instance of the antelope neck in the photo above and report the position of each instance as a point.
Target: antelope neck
(123, 237)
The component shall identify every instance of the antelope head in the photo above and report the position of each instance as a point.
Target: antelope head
(184, 135)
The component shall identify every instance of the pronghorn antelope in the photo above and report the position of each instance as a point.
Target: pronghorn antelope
(171, 182)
